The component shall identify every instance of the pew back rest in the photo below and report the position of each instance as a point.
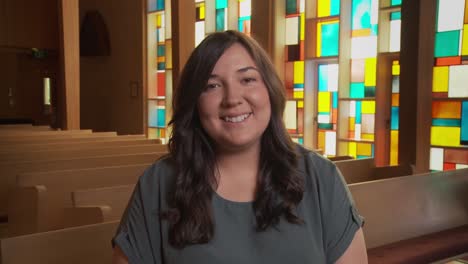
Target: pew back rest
(86, 244)
(58, 186)
(358, 170)
(405, 207)
(116, 197)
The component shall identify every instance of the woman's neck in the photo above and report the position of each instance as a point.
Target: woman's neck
(237, 174)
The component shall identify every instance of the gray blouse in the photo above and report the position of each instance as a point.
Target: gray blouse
(327, 209)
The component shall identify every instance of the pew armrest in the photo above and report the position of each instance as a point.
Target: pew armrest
(25, 209)
(86, 215)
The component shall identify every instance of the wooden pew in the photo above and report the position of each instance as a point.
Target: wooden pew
(98, 205)
(46, 195)
(24, 127)
(9, 171)
(124, 141)
(29, 133)
(362, 170)
(4, 141)
(95, 137)
(89, 244)
(402, 208)
(80, 153)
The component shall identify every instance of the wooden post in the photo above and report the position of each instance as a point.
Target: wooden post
(69, 76)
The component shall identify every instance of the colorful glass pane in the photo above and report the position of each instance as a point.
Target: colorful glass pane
(244, 16)
(328, 38)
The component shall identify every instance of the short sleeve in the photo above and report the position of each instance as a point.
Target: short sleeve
(137, 235)
(341, 219)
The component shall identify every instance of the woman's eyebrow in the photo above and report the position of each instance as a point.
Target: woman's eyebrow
(244, 69)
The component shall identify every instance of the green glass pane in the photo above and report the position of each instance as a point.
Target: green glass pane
(396, 2)
(369, 91)
(447, 43)
(330, 39)
(357, 90)
(291, 7)
(334, 7)
(395, 16)
(446, 122)
(221, 4)
(464, 124)
(220, 19)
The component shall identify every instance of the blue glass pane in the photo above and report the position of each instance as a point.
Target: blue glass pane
(369, 91)
(161, 50)
(447, 43)
(335, 100)
(241, 23)
(301, 141)
(395, 116)
(160, 5)
(330, 39)
(361, 17)
(161, 65)
(358, 113)
(464, 123)
(334, 7)
(220, 19)
(446, 122)
(396, 2)
(291, 7)
(395, 16)
(323, 78)
(326, 126)
(161, 117)
(221, 4)
(357, 90)
(298, 85)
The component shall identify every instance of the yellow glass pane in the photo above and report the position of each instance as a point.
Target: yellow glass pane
(465, 38)
(319, 39)
(440, 80)
(298, 72)
(450, 109)
(396, 69)
(321, 140)
(323, 9)
(361, 32)
(352, 121)
(352, 149)
(298, 94)
(368, 107)
(324, 100)
(202, 11)
(367, 136)
(394, 147)
(364, 149)
(445, 136)
(302, 29)
(300, 104)
(370, 72)
(159, 19)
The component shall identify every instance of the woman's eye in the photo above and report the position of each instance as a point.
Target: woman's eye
(211, 86)
(248, 80)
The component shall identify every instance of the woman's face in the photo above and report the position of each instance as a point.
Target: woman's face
(234, 108)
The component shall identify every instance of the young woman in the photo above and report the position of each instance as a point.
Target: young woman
(234, 187)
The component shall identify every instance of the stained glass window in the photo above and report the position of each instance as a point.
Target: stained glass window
(199, 21)
(245, 13)
(449, 130)
(394, 117)
(294, 68)
(159, 67)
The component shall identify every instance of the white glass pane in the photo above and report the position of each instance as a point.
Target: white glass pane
(290, 116)
(450, 16)
(199, 32)
(357, 131)
(330, 142)
(367, 123)
(364, 47)
(332, 77)
(352, 109)
(161, 35)
(292, 30)
(245, 8)
(437, 159)
(460, 166)
(323, 119)
(458, 80)
(395, 35)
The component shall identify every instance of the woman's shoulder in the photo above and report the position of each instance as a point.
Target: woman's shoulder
(309, 158)
(160, 174)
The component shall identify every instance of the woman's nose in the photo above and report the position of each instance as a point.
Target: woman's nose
(232, 95)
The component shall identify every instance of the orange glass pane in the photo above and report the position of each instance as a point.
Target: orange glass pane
(396, 99)
(446, 109)
(445, 61)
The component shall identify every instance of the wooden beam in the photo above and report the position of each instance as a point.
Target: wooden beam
(69, 88)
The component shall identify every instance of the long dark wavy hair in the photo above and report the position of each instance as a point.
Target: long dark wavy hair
(279, 186)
